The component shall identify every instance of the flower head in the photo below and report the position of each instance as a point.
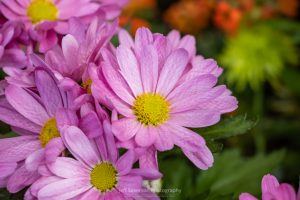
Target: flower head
(96, 172)
(159, 92)
(272, 190)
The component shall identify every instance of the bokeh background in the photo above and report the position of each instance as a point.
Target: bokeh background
(257, 43)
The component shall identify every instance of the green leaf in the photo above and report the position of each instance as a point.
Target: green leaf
(233, 174)
(227, 128)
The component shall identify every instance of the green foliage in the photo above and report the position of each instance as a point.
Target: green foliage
(230, 175)
(256, 55)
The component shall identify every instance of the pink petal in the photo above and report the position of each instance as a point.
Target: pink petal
(92, 193)
(143, 37)
(125, 38)
(269, 184)
(68, 168)
(70, 48)
(48, 91)
(147, 174)
(129, 185)
(64, 189)
(91, 125)
(79, 145)
(26, 104)
(130, 69)
(54, 149)
(124, 129)
(7, 169)
(195, 118)
(146, 136)
(148, 160)
(110, 142)
(172, 71)
(34, 160)
(246, 196)
(164, 141)
(124, 164)
(286, 192)
(42, 182)
(202, 158)
(149, 67)
(18, 148)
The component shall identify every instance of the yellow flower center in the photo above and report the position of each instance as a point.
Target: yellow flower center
(87, 85)
(40, 10)
(151, 109)
(49, 132)
(104, 177)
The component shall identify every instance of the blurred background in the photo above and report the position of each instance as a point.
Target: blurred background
(257, 44)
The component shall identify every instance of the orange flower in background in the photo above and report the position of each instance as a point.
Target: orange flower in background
(133, 23)
(134, 6)
(189, 16)
(288, 7)
(227, 17)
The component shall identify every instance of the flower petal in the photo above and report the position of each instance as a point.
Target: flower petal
(7, 169)
(269, 184)
(125, 163)
(124, 129)
(246, 196)
(146, 136)
(33, 161)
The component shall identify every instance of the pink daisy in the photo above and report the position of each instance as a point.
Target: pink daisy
(46, 17)
(80, 47)
(146, 82)
(272, 190)
(34, 118)
(97, 172)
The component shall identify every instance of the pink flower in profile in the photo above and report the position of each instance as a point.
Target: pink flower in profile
(45, 18)
(272, 190)
(33, 117)
(81, 47)
(97, 172)
(158, 94)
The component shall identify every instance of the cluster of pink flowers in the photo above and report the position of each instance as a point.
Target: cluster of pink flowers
(75, 100)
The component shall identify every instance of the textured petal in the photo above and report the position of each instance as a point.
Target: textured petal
(286, 192)
(18, 148)
(202, 158)
(15, 183)
(33, 161)
(7, 169)
(66, 117)
(149, 68)
(269, 184)
(246, 196)
(130, 69)
(110, 142)
(64, 189)
(68, 168)
(54, 149)
(91, 125)
(129, 185)
(124, 164)
(124, 129)
(79, 145)
(164, 141)
(42, 182)
(148, 174)
(26, 104)
(146, 136)
(70, 50)
(172, 71)
(195, 118)
(143, 37)
(148, 160)
(90, 194)
(48, 91)
(125, 38)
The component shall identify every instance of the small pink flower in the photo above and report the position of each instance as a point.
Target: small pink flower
(44, 26)
(97, 171)
(272, 190)
(159, 93)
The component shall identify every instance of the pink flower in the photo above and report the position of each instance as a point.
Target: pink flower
(34, 118)
(159, 93)
(272, 190)
(81, 47)
(112, 8)
(43, 26)
(97, 171)
(11, 54)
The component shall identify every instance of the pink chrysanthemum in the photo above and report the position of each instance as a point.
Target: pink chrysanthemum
(46, 17)
(158, 92)
(272, 190)
(34, 118)
(96, 173)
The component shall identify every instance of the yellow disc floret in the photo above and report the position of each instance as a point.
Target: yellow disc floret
(49, 132)
(40, 10)
(87, 85)
(151, 109)
(104, 177)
